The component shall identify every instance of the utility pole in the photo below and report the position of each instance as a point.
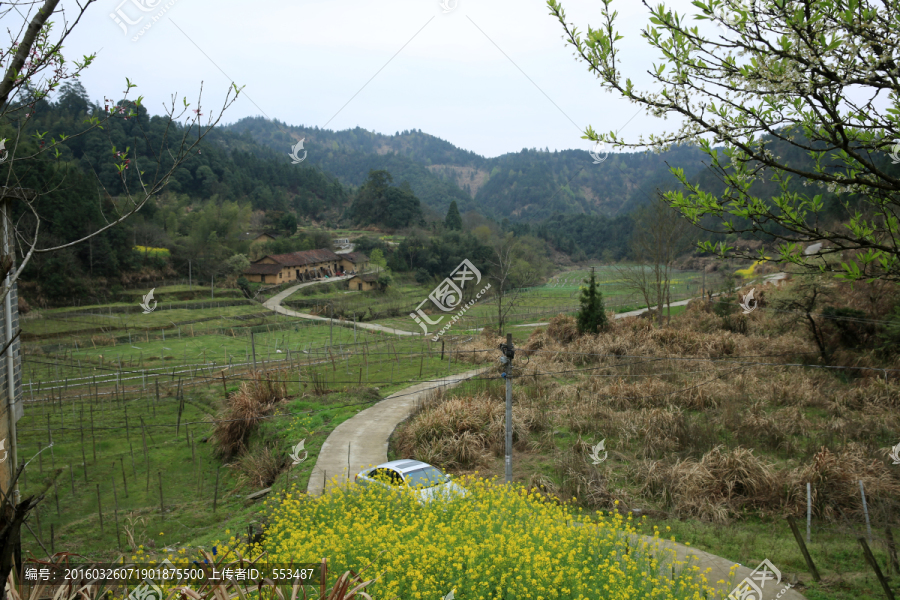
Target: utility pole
(509, 352)
(212, 284)
(331, 328)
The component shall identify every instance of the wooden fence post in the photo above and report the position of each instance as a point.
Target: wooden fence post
(809, 562)
(867, 553)
(162, 508)
(99, 509)
(892, 550)
(216, 493)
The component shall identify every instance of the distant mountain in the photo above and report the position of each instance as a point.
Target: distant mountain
(529, 185)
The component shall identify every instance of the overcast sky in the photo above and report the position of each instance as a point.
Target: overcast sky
(491, 76)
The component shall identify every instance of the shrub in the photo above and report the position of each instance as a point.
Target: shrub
(260, 466)
(254, 400)
(563, 329)
(890, 337)
(848, 327)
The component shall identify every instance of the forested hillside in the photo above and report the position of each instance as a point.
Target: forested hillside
(529, 185)
(200, 215)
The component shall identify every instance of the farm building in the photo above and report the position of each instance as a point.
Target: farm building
(306, 265)
(363, 283)
(356, 261)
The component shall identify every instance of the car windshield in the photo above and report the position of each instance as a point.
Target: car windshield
(426, 477)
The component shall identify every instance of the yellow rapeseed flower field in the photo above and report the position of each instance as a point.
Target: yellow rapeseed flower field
(500, 542)
(148, 250)
(749, 271)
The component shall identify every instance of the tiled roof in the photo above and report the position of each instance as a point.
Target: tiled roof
(263, 269)
(356, 257)
(367, 277)
(306, 257)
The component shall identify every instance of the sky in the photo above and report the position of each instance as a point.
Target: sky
(492, 76)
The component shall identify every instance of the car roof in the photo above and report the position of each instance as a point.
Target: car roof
(403, 465)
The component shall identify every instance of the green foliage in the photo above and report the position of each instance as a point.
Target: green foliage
(725, 305)
(824, 162)
(385, 279)
(367, 244)
(592, 315)
(237, 264)
(376, 258)
(438, 255)
(247, 286)
(200, 213)
(853, 328)
(890, 336)
(380, 203)
(453, 220)
(288, 223)
(584, 236)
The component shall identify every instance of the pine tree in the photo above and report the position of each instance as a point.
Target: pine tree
(453, 220)
(592, 316)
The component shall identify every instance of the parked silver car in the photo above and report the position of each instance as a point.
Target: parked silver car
(425, 481)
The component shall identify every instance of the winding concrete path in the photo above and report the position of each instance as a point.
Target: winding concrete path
(274, 303)
(362, 440)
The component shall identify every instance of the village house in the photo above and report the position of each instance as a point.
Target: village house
(355, 261)
(306, 265)
(363, 283)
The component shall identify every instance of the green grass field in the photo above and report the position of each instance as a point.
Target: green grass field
(98, 432)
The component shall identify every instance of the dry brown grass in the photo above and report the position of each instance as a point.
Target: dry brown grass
(259, 467)
(562, 329)
(722, 484)
(103, 340)
(835, 477)
(709, 423)
(462, 432)
(256, 398)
